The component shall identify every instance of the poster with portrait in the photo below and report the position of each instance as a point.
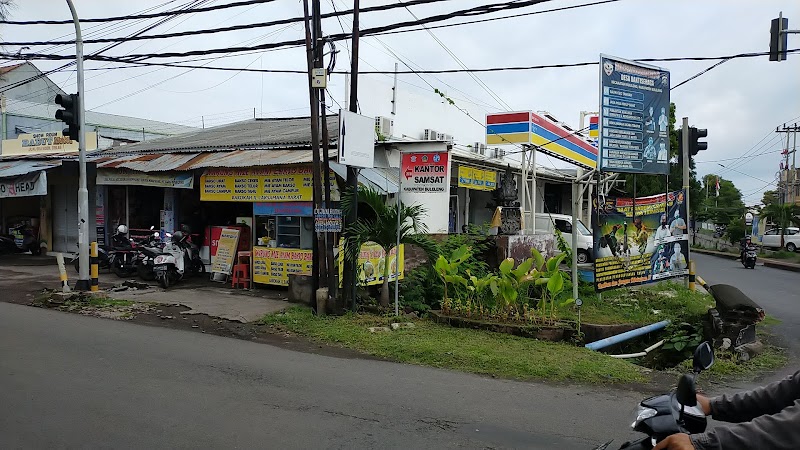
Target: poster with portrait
(639, 241)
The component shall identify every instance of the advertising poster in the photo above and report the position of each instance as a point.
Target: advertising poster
(24, 186)
(477, 179)
(371, 264)
(641, 246)
(634, 117)
(273, 266)
(425, 172)
(226, 251)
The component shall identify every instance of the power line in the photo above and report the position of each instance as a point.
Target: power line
(267, 24)
(136, 16)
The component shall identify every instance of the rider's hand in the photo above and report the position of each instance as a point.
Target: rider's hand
(678, 441)
(704, 403)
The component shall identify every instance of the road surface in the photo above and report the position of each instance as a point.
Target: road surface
(73, 381)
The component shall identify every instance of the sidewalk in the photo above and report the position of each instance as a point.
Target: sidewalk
(216, 300)
(774, 263)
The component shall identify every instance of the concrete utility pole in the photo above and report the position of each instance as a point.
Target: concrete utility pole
(349, 273)
(686, 163)
(315, 169)
(790, 171)
(84, 282)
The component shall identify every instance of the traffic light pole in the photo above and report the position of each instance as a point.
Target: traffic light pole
(84, 282)
(686, 164)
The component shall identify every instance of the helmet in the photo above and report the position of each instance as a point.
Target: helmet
(122, 229)
(177, 236)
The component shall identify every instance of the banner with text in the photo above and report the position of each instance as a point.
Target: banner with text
(226, 251)
(425, 172)
(107, 177)
(477, 179)
(273, 266)
(261, 184)
(24, 186)
(372, 262)
(641, 241)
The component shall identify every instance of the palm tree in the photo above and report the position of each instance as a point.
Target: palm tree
(783, 216)
(377, 222)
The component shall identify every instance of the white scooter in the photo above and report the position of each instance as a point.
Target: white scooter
(170, 265)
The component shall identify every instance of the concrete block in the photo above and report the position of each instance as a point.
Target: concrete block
(379, 329)
(397, 326)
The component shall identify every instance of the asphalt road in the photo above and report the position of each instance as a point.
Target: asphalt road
(72, 381)
(776, 290)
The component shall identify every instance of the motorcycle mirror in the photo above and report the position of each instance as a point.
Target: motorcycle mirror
(152, 227)
(687, 391)
(703, 357)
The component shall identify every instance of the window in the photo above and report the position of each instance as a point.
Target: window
(563, 226)
(583, 230)
(771, 232)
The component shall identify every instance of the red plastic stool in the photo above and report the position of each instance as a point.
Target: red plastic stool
(241, 276)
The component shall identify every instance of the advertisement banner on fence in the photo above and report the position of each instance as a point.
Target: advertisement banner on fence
(371, 263)
(641, 241)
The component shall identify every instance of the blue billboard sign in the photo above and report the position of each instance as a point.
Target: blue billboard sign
(634, 117)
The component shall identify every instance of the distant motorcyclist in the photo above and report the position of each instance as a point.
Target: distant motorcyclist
(745, 243)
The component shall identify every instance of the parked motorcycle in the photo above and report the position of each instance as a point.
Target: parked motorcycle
(103, 261)
(676, 412)
(28, 243)
(147, 250)
(170, 266)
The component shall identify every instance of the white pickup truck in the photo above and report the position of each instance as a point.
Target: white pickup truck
(791, 239)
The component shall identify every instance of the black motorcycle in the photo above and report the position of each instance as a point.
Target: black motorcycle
(145, 260)
(28, 243)
(749, 257)
(676, 412)
(103, 261)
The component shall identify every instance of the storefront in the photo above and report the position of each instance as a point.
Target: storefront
(280, 201)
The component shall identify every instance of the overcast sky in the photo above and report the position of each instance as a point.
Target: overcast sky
(741, 102)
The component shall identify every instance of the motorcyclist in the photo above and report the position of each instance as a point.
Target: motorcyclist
(744, 244)
(764, 418)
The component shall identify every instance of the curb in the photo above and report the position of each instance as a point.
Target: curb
(767, 262)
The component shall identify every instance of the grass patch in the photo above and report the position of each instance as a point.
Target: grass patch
(98, 302)
(784, 255)
(475, 351)
(646, 305)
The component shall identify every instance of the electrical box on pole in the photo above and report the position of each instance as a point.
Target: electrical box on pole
(70, 115)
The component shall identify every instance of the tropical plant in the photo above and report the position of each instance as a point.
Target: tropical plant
(783, 216)
(377, 222)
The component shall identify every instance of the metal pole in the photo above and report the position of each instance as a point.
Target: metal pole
(574, 243)
(794, 167)
(524, 187)
(533, 192)
(394, 92)
(397, 244)
(685, 144)
(83, 282)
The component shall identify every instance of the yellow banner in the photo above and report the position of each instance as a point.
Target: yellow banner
(261, 184)
(46, 142)
(273, 265)
(371, 263)
(226, 251)
(477, 179)
(465, 177)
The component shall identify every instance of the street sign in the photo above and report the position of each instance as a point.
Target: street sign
(424, 172)
(328, 220)
(356, 139)
(634, 117)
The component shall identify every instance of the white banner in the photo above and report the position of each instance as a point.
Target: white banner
(107, 177)
(25, 186)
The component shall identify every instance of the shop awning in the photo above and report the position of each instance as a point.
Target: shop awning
(157, 162)
(16, 168)
(384, 181)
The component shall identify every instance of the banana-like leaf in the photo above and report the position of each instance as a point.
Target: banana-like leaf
(554, 262)
(538, 259)
(555, 284)
(506, 266)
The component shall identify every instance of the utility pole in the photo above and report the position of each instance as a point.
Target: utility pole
(686, 163)
(789, 177)
(84, 282)
(349, 273)
(315, 169)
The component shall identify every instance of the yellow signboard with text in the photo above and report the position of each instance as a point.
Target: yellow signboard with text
(260, 184)
(273, 265)
(477, 179)
(226, 251)
(46, 142)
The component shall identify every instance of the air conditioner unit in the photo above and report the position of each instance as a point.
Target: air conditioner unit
(498, 153)
(429, 135)
(447, 137)
(384, 125)
(476, 147)
(440, 136)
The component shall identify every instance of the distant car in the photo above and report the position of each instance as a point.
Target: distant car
(791, 239)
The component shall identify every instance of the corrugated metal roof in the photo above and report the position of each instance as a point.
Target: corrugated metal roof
(381, 180)
(12, 169)
(273, 133)
(477, 159)
(93, 118)
(200, 160)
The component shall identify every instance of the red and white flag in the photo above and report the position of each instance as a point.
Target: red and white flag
(717, 186)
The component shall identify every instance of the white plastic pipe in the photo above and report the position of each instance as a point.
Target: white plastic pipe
(640, 354)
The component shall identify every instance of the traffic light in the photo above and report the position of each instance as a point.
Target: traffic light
(777, 40)
(695, 145)
(70, 115)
